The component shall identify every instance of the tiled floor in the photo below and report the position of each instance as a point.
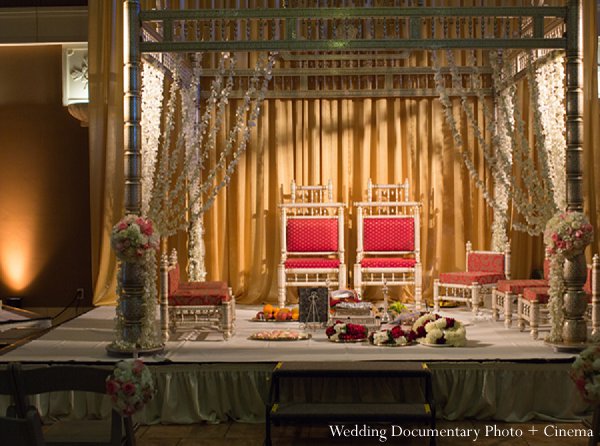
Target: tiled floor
(240, 434)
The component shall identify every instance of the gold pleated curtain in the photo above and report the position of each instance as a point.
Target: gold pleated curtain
(347, 141)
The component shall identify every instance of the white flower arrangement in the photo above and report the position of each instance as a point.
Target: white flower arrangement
(132, 237)
(435, 330)
(130, 386)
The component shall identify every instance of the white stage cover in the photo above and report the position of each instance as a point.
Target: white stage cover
(502, 374)
(86, 337)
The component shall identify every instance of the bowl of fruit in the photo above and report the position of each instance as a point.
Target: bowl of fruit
(270, 313)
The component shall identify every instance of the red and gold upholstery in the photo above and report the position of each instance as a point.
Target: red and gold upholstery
(388, 240)
(194, 305)
(484, 270)
(312, 241)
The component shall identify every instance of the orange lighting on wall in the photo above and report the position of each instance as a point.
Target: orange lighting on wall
(24, 243)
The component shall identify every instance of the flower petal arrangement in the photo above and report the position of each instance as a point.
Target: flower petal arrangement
(394, 336)
(132, 237)
(130, 386)
(567, 233)
(434, 329)
(585, 372)
(346, 332)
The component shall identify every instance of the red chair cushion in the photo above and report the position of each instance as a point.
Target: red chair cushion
(173, 279)
(388, 262)
(200, 293)
(536, 293)
(517, 286)
(490, 262)
(312, 234)
(315, 262)
(467, 278)
(389, 234)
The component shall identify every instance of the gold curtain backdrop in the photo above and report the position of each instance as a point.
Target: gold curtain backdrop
(312, 141)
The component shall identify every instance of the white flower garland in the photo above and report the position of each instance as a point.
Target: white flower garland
(152, 96)
(536, 202)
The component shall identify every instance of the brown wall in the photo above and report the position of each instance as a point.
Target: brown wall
(44, 183)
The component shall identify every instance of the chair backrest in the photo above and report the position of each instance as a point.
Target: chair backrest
(391, 234)
(387, 192)
(319, 233)
(319, 193)
(388, 228)
(312, 234)
(25, 431)
(488, 261)
(56, 378)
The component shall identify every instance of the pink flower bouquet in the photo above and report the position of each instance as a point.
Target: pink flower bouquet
(132, 237)
(130, 386)
(567, 233)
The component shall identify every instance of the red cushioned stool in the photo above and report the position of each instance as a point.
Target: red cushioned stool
(532, 307)
(507, 292)
(199, 305)
(484, 270)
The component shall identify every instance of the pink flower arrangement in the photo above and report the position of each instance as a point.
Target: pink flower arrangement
(342, 331)
(567, 233)
(585, 373)
(132, 237)
(130, 386)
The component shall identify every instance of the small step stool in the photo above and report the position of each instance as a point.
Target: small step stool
(280, 411)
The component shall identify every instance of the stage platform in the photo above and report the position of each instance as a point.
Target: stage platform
(501, 374)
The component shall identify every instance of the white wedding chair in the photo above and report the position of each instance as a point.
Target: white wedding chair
(311, 239)
(388, 251)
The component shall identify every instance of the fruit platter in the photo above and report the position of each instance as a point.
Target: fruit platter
(279, 335)
(270, 313)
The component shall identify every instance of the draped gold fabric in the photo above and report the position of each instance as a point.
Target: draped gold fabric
(311, 141)
(106, 139)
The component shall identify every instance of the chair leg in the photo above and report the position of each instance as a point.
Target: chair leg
(520, 310)
(475, 298)
(436, 295)
(535, 318)
(496, 296)
(418, 287)
(358, 280)
(227, 319)
(281, 285)
(508, 297)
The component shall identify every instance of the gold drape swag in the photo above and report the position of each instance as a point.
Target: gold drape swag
(311, 141)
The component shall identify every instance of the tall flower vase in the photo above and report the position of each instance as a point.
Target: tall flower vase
(574, 330)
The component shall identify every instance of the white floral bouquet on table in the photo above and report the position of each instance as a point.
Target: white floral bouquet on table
(434, 329)
(132, 237)
(585, 372)
(395, 336)
(130, 386)
(567, 233)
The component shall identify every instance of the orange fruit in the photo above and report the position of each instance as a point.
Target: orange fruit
(268, 310)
